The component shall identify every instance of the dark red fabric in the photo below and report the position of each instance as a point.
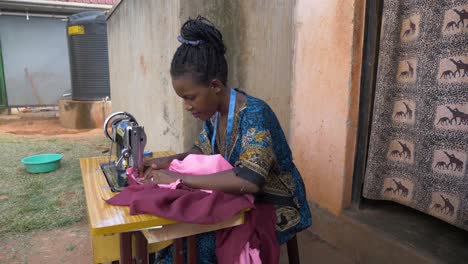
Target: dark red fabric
(183, 204)
(259, 229)
(193, 206)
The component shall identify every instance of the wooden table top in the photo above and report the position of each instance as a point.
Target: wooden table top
(108, 219)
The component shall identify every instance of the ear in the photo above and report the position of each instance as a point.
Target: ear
(216, 86)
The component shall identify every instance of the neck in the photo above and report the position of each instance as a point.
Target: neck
(224, 106)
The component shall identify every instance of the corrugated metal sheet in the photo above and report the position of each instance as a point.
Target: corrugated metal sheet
(63, 7)
(89, 61)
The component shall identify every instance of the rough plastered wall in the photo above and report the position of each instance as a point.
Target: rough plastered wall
(142, 40)
(327, 63)
(259, 37)
(262, 54)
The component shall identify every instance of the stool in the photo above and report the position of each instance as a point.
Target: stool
(293, 251)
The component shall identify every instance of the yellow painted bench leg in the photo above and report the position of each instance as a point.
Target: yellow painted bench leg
(107, 248)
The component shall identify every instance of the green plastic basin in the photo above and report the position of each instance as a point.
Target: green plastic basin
(42, 163)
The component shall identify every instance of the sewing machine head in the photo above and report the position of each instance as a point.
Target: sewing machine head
(129, 139)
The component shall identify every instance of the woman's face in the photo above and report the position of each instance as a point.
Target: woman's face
(200, 100)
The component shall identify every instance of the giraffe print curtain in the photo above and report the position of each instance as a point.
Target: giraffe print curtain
(419, 136)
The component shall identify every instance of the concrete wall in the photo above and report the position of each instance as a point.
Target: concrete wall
(142, 40)
(259, 36)
(40, 45)
(328, 52)
(260, 51)
(259, 39)
(83, 114)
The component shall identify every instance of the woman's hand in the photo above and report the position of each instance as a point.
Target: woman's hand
(163, 176)
(155, 164)
(164, 162)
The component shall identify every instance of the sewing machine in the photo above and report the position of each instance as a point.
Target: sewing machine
(129, 140)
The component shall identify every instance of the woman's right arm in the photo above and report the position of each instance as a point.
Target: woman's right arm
(164, 162)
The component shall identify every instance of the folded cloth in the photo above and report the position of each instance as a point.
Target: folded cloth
(258, 230)
(183, 204)
(195, 164)
(133, 177)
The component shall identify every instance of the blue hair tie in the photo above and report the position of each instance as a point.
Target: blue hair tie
(189, 42)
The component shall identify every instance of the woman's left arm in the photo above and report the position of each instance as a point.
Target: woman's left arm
(226, 181)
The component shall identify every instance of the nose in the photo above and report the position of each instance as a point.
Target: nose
(188, 107)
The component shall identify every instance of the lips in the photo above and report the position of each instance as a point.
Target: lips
(196, 114)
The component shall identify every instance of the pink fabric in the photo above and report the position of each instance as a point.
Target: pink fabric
(133, 177)
(249, 255)
(172, 186)
(200, 165)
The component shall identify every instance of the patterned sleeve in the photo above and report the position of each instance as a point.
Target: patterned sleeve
(202, 142)
(257, 156)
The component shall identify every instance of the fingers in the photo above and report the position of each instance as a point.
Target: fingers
(148, 173)
(145, 164)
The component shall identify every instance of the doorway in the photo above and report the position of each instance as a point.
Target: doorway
(408, 226)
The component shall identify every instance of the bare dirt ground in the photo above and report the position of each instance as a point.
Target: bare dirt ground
(49, 127)
(71, 244)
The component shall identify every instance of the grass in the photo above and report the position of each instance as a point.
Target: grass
(42, 201)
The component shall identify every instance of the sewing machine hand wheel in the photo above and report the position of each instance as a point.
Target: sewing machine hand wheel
(124, 115)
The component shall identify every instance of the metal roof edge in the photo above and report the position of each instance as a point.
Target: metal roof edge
(116, 5)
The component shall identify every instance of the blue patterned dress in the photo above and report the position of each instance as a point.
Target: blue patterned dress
(259, 152)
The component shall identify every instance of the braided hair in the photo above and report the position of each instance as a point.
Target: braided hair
(201, 52)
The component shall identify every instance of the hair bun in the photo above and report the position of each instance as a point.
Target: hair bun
(201, 29)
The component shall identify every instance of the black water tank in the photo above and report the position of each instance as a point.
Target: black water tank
(89, 60)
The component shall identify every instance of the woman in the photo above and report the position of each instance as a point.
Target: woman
(241, 128)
